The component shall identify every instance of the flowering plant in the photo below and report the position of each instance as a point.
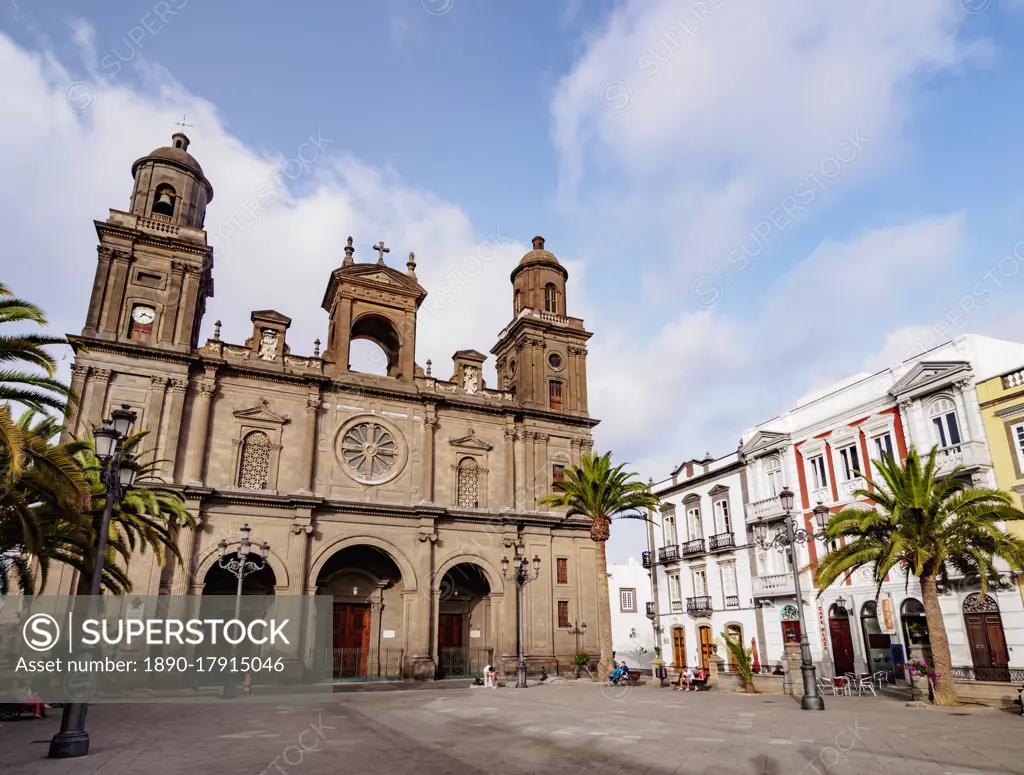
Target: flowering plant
(922, 669)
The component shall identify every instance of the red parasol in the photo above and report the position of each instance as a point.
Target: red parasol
(757, 662)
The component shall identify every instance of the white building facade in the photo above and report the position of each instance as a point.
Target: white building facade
(629, 590)
(700, 559)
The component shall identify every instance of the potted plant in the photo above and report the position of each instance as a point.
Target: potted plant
(918, 669)
(581, 660)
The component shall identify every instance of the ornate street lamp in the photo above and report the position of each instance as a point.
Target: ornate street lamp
(117, 473)
(239, 565)
(786, 541)
(577, 630)
(520, 576)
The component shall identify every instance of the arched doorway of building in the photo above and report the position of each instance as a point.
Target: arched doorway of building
(987, 640)
(876, 642)
(915, 624)
(706, 646)
(365, 629)
(790, 622)
(463, 622)
(842, 638)
(678, 647)
(733, 632)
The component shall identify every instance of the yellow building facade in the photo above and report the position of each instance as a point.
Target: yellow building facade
(1002, 409)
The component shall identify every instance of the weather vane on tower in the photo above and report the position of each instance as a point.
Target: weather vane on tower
(182, 123)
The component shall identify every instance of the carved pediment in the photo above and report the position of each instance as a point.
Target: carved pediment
(762, 442)
(718, 489)
(470, 441)
(261, 412)
(928, 376)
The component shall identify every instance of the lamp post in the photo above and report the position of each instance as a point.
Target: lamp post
(239, 565)
(117, 473)
(786, 541)
(520, 576)
(577, 630)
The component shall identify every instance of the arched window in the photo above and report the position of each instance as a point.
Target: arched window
(163, 200)
(255, 461)
(945, 427)
(773, 473)
(517, 302)
(915, 625)
(469, 484)
(550, 298)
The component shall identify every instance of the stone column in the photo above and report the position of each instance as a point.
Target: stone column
(74, 410)
(509, 495)
(92, 317)
(421, 635)
(175, 286)
(184, 333)
(114, 300)
(429, 424)
(574, 446)
(529, 473)
(154, 411)
(542, 476)
(968, 404)
(168, 446)
(793, 683)
(298, 550)
(99, 379)
(307, 469)
(199, 432)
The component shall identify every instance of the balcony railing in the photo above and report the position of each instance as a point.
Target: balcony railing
(650, 608)
(677, 606)
(968, 454)
(668, 553)
(1002, 673)
(846, 489)
(721, 541)
(645, 559)
(732, 601)
(767, 508)
(690, 548)
(1014, 379)
(775, 585)
(698, 605)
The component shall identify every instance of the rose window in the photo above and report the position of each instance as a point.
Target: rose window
(370, 450)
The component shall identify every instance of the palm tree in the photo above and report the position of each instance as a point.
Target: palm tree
(600, 492)
(926, 527)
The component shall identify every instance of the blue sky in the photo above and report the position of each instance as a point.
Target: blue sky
(648, 140)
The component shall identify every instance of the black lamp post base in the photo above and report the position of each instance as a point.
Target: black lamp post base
(812, 703)
(521, 676)
(69, 744)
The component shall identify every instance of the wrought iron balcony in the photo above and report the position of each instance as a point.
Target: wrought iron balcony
(677, 606)
(698, 605)
(690, 548)
(645, 559)
(732, 601)
(721, 541)
(668, 553)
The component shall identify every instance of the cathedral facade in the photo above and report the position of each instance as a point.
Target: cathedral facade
(396, 495)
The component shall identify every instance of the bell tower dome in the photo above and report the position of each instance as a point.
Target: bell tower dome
(538, 282)
(170, 186)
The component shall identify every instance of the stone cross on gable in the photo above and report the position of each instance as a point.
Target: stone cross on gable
(381, 250)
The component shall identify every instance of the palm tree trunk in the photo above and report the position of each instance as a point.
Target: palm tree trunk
(945, 687)
(604, 611)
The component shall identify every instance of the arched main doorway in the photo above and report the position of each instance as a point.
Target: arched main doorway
(915, 624)
(987, 640)
(463, 622)
(365, 629)
(876, 642)
(842, 638)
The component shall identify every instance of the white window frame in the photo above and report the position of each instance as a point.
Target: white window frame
(700, 589)
(1017, 431)
(693, 523)
(848, 455)
(729, 574)
(675, 591)
(723, 519)
(819, 471)
(670, 527)
(941, 428)
(631, 595)
(773, 476)
(877, 441)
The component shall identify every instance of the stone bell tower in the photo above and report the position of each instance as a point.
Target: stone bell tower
(154, 272)
(542, 355)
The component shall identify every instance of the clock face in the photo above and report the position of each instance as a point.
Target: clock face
(144, 315)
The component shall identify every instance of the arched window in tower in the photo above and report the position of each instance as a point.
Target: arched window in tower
(468, 496)
(550, 298)
(555, 394)
(163, 200)
(255, 461)
(517, 302)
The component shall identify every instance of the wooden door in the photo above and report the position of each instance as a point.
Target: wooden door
(449, 634)
(678, 647)
(988, 646)
(705, 647)
(351, 639)
(842, 644)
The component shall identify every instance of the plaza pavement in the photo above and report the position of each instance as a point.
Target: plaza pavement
(565, 728)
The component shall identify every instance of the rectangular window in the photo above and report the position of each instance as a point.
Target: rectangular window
(1018, 442)
(675, 592)
(557, 473)
(722, 518)
(818, 476)
(693, 519)
(947, 430)
(700, 583)
(555, 394)
(729, 580)
(669, 520)
(562, 570)
(851, 462)
(774, 480)
(627, 600)
(149, 279)
(563, 613)
(883, 446)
